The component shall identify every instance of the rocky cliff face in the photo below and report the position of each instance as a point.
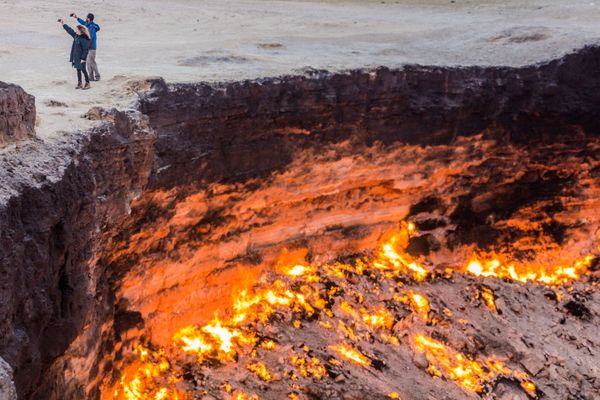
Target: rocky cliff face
(224, 176)
(53, 217)
(17, 114)
(243, 129)
(7, 386)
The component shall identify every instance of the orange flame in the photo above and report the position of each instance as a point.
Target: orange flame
(470, 374)
(350, 353)
(225, 338)
(492, 266)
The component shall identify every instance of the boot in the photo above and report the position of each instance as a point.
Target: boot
(79, 86)
(87, 86)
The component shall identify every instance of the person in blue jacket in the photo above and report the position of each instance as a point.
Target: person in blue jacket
(93, 28)
(79, 51)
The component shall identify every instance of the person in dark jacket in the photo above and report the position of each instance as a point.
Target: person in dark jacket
(79, 52)
(93, 29)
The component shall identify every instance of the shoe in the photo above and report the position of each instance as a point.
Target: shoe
(79, 86)
(87, 86)
(97, 79)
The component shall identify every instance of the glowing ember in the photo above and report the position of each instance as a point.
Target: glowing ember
(260, 370)
(488, 297)
(420, 304)
(470, 374)
(309, 367)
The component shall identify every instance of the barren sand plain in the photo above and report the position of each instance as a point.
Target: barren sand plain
(217, 40)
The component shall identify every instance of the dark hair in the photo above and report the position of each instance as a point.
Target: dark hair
(90, 16)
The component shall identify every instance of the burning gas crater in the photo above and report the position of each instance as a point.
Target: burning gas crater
(347, 328)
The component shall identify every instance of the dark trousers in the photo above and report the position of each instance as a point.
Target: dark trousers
(85, 74)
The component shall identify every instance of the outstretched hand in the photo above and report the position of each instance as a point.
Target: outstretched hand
(61, 21)
(74, 15)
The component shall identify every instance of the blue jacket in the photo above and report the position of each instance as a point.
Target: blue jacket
(79, 49)
(93, 28)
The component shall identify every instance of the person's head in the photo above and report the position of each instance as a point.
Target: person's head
(82, 31)
(90, 17)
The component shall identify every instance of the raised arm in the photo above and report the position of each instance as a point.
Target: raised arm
(70, 31)
(82, 22)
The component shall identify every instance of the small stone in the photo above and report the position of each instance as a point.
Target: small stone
(516, 307)
(55, 103)
(271, 330)
(420, 360)
(401, 326)
(532, 364)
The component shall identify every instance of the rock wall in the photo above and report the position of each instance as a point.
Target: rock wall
(7, 386)
(50, 234)
(243, 129)
(17, 114)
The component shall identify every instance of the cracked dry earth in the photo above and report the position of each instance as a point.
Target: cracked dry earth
(431, 272)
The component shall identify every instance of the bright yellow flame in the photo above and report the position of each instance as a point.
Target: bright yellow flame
(380, 318)
(260, 369)
(297, 270)
(400, 262)
(193, 341)
(268, 344)
(468, 373)
(529, 387)
(239, 395)
(351, 354)
(142, 385)
(420, 304)
(488, 298)
(492, 266)
(223, 335)
(393, 257)
(309, 367)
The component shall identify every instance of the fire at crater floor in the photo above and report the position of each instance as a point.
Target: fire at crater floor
(447, 305)
(416, 233)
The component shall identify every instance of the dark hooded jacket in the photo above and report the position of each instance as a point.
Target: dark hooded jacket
(79, 49)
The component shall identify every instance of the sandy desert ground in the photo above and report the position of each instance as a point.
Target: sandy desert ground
(215, 40)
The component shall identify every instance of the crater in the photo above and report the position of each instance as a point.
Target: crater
(328, 235)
